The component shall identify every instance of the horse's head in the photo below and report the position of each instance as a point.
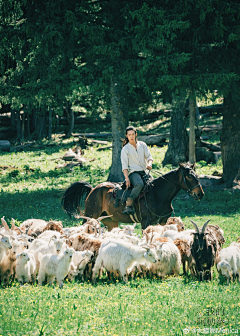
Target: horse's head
(189, 181)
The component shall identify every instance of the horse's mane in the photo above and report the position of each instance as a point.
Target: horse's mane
(164, 175)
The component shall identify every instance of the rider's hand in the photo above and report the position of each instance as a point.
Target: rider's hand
(149, 167)
(128, 183)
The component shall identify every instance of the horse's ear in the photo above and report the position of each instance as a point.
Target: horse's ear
(193, 166)
(181, 165)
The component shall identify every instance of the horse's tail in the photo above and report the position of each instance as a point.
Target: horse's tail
(74, 197)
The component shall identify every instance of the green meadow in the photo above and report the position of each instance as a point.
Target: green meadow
(31, 187)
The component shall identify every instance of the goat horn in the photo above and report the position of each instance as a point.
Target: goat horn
(195, 225)
(13, 223)
(204, 226)
(146, 247)
(102, 217)
(4, 223)
(19, 230)
(151, 237)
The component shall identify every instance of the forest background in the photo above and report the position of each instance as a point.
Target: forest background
(120, 58)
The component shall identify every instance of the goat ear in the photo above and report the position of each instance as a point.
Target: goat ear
(134, 225)
(188, 252)
(145, 255)
(18, 256)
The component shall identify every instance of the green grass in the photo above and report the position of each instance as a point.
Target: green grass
(142, 307)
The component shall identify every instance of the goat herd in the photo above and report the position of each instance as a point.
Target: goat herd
(85, 251)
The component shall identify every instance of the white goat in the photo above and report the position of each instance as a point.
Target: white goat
(118, 255)
(176, 221)
(5, 245)
(36, 244)
(229, 266)
(169, 260)
(187, 234)
(48, 234)
(8, 264)
(55, 266)
(25, 268)
(126, 229)
(55, 246)
(80, 260)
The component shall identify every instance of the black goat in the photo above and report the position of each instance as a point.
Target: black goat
(204, 251)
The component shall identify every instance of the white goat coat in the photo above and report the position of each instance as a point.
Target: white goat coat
(230, 262)
(55, 266)
(48, 234)
(55, 247)
(187, 234)
(169, 260)
(25, 268)
(118, 255)
(5, 245)
(8, 264)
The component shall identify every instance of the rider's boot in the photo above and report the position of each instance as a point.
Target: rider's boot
(129, 210)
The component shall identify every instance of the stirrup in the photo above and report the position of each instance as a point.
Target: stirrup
(129, 210)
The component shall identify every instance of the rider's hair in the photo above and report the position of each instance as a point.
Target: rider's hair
(129, 128)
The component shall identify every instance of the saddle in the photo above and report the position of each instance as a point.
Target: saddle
(121, 192)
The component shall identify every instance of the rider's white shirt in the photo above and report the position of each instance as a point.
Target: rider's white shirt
(135, 159)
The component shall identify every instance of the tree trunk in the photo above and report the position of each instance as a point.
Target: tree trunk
(13, 121)
(178, 141)
(19, 133)
(70, 114)
(28, 124)
(50, 124)
(230, 138)
(23, 124)
(192, 119)
(34, 119)
(40, 124)
(42, 131)
(118, 110)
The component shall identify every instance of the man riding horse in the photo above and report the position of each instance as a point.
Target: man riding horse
(135, 158)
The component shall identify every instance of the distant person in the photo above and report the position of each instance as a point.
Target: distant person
(135, 158)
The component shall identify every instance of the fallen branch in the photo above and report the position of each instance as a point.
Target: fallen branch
(104, 148)
(20, 147)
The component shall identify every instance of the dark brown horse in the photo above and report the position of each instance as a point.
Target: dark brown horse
(152, 207)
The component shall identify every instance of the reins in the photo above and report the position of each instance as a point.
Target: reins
(189, 190)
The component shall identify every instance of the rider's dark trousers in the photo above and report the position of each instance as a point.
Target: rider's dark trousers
(137, 182)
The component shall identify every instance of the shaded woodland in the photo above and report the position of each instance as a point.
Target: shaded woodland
(66, 63)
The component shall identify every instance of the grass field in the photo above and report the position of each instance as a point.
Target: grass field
(175, 306)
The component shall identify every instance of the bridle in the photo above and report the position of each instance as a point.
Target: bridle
(189, 188)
